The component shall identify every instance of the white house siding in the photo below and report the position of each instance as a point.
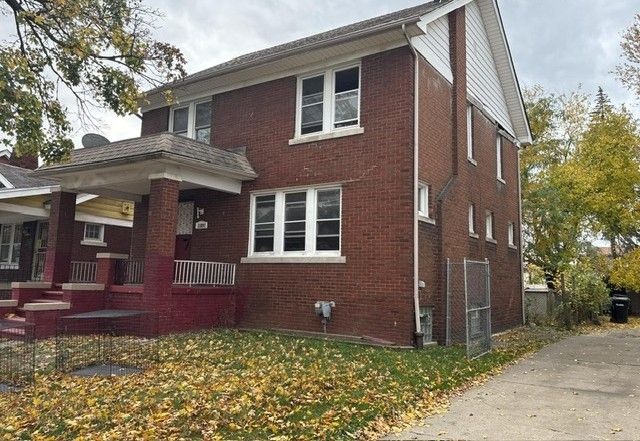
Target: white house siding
(483, 81)
(434, 45)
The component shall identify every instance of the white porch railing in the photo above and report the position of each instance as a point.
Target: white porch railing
(83, 272)
(191, 272)
(130, 272)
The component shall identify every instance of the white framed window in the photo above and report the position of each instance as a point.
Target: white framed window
(472, 220)
(489, 226)
(93, 233)
(10, 240)
(328, 101)
(470, 149)
(300, 222)
(423, 201)
(499, 157)
(192, 120)
(510, 234)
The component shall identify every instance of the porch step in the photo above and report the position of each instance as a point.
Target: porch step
(53, 295)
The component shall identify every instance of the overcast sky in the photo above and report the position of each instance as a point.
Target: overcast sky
(559, 44)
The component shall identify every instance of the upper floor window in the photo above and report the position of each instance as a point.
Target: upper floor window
(470, 150)
(192, 120)
(301, 222)
(472, 220)
(10, 240)
(499, 158)
(328, 101)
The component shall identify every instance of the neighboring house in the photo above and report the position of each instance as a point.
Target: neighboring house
(347, 167)
(101, 224)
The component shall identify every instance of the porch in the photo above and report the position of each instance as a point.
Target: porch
(159, 274)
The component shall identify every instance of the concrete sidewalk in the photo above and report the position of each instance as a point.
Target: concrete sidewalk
(584, 387)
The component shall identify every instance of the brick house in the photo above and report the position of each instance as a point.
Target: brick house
(100, 224)
(347, 167)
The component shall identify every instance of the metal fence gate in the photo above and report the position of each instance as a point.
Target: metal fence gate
(469, 306)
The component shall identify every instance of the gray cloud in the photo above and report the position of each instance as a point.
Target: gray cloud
(558, 44)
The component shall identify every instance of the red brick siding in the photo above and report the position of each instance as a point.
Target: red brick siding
(60, 241)
(155, 121)
(118, 240)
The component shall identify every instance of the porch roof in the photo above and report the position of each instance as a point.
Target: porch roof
(123, 169)
(164, 144)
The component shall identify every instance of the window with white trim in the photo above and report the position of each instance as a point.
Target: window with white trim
(328, 101)
(489, 225)
(192, 120)
(302, 222)
(470, 151)
(93, 232)
(499, 157)
(472, 219)
(423, 200)
(10, 240)
(510, 234)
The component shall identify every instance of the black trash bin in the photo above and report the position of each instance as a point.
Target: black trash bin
(620, 309)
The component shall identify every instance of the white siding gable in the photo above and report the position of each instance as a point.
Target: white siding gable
(434, 45)
(483, 81)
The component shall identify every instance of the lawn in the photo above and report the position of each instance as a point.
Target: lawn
(254, 385)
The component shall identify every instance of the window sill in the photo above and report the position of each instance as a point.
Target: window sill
(472, 161)
(93, 243)
(426, 219)
(490, 240)
(324, 136)
(513, 247)
(501, 181)
(474, 235)
(295, 259)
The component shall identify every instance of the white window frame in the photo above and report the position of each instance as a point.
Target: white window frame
(328, 101)
(470, 149)
(310, 224)
(93, 240)
(499, 163)
(489, 224)
(10, 264)
(191, 119)
(472, 220)
(424, 197)
(511, 235)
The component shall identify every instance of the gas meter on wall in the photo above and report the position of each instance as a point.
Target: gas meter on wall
(323, 310)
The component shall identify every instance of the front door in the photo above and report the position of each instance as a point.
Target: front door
(39, 250)
(184, 231)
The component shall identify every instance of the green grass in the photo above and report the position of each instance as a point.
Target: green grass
(253, 385)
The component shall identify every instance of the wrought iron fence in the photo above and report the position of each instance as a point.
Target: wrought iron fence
(129, 272)
(105, 343)
(83, 272)
(191, 272)
(17, 354)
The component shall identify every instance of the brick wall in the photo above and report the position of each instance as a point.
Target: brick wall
(60, 241)
(155, 121)
(118, 240)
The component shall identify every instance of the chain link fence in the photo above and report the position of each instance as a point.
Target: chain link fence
(468, 306)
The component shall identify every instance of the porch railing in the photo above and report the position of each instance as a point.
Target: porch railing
(83, 272)
(191, 272)
(38, 266)
(129, 272)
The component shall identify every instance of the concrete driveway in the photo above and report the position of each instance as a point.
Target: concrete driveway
(584, 387)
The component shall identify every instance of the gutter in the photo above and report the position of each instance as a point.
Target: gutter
(416, 150)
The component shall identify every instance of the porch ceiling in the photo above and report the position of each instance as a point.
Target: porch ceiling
(123, 169)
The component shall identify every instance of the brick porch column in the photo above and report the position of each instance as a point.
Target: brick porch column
(60, 242)
(160, 249)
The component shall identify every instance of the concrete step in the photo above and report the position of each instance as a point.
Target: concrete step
(53, 293)
(45, 301)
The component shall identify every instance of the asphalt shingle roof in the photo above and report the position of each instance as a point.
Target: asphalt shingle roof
(23, 177)
(353, 30)
(158, 144)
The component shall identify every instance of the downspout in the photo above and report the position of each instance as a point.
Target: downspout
(521, 242)
(416, 132)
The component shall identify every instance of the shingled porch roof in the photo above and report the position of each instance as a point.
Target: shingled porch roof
(123, 168)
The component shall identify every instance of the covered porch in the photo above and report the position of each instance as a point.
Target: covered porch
(155, 172)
